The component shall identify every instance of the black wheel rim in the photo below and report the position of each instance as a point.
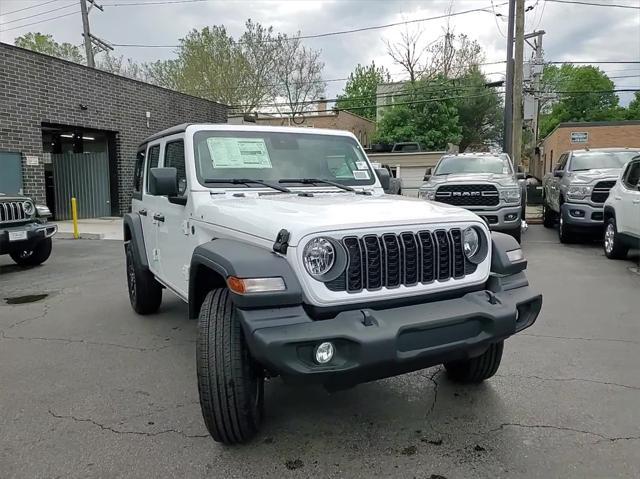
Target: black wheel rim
(27, 253)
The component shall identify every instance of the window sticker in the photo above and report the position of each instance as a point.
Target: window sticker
(362, 165)
(239, 152)
(361, 175)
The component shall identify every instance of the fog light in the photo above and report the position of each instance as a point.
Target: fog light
(324, 353)
(511, 217)
(577, 213)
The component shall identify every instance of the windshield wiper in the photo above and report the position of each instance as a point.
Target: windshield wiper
(246, 181)
(311, 181)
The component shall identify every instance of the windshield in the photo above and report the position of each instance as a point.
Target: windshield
(473, 164)
(271, 156)
(591, 160)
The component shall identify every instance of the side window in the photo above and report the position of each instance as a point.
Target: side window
(174, 157)
(562, 162)
(152, 162)
(632, 176)
(137, 171)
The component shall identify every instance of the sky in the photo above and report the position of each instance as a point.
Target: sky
(573, 32)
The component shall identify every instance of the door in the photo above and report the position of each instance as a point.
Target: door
(174, 232)
(150, 204)
(630, 202)
(553, 185)
(11, 173)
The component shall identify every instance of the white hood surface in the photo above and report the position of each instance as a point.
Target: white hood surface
(588, 176)
(265, 215)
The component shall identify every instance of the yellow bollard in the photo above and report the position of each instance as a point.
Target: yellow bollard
(74, 216)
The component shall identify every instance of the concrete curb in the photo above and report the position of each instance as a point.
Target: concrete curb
(88, 236)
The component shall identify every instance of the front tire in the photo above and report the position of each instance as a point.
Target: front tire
(564, 235)
(33, 257)
(548, 216)
(476, 370)
(230, 383)
(613, 247)
(145, 293)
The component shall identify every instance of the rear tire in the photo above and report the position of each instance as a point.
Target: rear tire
(476, 370)
(613, 247)
(548, 216)
(145, 293)
(230, 382)
(33, 257)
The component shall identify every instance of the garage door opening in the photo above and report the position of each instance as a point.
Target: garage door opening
(79, 162)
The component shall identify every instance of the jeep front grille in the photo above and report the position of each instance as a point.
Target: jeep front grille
(468, 195)
(12, 211)
(601, 191)
(390, 260)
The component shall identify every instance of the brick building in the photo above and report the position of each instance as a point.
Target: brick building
(52, 110)
(361, 127)
(579, 135)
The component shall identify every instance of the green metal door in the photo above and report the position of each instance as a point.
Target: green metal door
(10, 172)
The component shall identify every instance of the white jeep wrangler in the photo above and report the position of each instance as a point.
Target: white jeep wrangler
(296, 264)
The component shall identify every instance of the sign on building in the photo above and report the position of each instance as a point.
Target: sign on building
(579, 137)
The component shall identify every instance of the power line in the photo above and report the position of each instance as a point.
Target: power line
(590, 62)
(39, 14)
(40, 21)
(158, 2)
(330, 34)
(577, 2)
(29, 8)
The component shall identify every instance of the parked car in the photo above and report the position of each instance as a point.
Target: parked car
(407, 147)
(25, 234)
(575, 191)
(622, 213)
(484, 183)
(296, 264)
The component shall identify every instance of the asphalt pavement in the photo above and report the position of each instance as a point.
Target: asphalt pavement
(90, 389)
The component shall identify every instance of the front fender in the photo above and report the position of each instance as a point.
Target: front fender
(132, 225)
(500, 262)
(232, 258)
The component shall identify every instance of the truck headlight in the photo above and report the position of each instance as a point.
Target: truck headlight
(578, 192)
(319, 256)
(470, 242)
(28, 208)
(510, 195)
(427, 195)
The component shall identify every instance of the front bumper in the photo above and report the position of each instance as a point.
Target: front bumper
(376, 343)
(505, 218)
(36, 232)
(582, 215)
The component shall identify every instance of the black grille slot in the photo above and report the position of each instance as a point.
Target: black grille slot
(410, 258)
(468, 195)
(373, 261)
(354, 265)
(12, 211)
(444, 254)
(458, 254)
(601, 191)
(392, 256)
(427, 250)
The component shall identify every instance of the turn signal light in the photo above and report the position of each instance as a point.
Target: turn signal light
(255, 285)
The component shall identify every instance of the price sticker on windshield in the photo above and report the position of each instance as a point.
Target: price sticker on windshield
(361, 165)
(361, 175)
(239, 153)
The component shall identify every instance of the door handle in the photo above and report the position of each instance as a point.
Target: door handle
(142, 212)
(617, 197)
(158, 217)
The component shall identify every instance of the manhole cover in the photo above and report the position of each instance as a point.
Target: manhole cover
(29, 298)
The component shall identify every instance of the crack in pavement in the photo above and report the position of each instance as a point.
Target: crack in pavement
(630, 341)
(637, 388)
(120, 431)
(602, 437)
(3, 335)
(435, 390)
(45, 311)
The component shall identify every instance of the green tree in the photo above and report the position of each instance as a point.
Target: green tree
(582, 93)
(360, 90)
(424, 113)
(41, 43)
(633, 110)
(480, 111)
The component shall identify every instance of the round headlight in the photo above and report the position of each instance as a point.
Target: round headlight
(28, 207)
(470, 242)
(319, 255)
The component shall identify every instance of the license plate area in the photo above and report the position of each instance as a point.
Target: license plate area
(17, 235)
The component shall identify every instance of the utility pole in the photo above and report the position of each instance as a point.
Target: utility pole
(86, 34)
(508, 97)
(89, 39)
(516, 148)
(532, 94)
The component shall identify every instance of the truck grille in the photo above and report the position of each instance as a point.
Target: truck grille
(390, 260)
(12, 211)
(468, 195)
(601, 191)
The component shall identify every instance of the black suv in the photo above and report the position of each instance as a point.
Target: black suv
(25, 234)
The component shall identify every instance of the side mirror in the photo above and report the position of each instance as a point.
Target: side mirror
(384, 177)
(521, 176)
(427, 174)
(163, 181)
(558, 173)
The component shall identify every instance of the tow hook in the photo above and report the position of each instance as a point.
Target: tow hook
(492, 298)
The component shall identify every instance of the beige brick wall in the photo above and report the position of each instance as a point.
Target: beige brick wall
(622, 134)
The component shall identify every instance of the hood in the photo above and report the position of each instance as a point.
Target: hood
(5, 197)
(264, 216)
(499, 178)
(588, 176)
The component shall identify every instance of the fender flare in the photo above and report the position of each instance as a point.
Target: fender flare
(132, 228)
(222, 258)
(501, 243)
(608, 212)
